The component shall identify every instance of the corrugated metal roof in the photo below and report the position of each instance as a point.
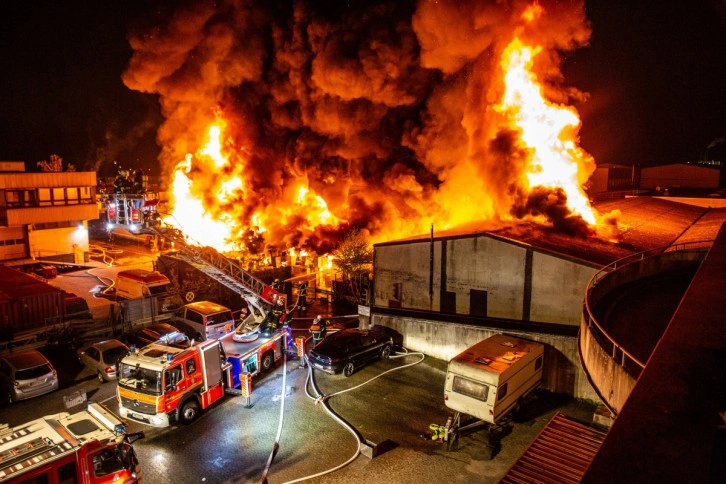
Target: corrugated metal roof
(560, 454)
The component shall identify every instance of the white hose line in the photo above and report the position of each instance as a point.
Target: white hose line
(276, 445)
(319, 398)
(346, 425)
(387, 371)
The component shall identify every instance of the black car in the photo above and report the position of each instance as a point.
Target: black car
(349, 349)
(163, 333)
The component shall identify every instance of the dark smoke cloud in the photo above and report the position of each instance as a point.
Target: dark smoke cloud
(382, 107)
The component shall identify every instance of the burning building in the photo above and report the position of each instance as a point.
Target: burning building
(287, 125)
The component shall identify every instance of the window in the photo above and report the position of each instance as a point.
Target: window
(93, 354)
(67, 473)
(502, 391)
(470, 388)
(72, 195)
(44, 197)
(195, 317)
(538, 363)
(173, 376)
(191, 367)
(13, 198)
(59, 196)
(41, 479)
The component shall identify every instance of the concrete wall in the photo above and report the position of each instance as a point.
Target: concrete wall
(557, 288)
(483, 276)
(442, 340)
(68, 243)
(487, 264)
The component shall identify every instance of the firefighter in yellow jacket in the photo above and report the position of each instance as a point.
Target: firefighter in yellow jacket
(318, 329)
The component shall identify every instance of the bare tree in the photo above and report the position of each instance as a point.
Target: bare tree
(354, 255)
(55, 164)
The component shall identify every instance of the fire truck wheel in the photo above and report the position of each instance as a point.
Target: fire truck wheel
(189, 411)
(267, 360)
(386, 352)
(349, 369)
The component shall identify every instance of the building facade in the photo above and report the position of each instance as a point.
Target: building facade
(45, 215)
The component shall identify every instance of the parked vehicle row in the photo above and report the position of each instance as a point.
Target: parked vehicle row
(27, 374)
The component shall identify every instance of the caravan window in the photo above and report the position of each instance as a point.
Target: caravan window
(473, 389)
(502, 391)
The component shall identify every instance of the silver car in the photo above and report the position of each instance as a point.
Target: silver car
(103, 358)
(27, 374)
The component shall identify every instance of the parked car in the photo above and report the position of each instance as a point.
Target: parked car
(157, 332)
(27, 374)
(349, 349)
(103, 358)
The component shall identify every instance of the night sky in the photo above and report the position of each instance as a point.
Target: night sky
(653, 72)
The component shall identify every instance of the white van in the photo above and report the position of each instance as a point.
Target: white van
(488, 379)
(207, 319)
(140, 283)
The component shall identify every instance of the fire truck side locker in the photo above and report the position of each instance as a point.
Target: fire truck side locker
(213, 383)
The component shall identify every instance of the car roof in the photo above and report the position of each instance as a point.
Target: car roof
(25, 359)
(109, 343)
(160, 327)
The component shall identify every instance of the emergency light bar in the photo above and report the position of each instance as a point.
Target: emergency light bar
(107, 418)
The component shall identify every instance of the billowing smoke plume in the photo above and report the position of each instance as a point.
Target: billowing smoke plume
(382, 108)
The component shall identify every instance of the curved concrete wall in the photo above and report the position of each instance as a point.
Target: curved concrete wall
(612, 383)
(603, 363)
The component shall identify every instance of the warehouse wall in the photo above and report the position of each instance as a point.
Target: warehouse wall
(481, 275)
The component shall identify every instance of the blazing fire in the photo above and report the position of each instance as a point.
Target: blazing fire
(385, 117)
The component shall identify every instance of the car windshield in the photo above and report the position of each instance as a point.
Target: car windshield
(140, 379)
(112, 355)
(31, 373)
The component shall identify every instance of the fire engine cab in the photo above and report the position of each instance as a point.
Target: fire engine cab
(89, 447)
(159, 385)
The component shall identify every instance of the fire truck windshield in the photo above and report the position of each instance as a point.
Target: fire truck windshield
(139, 379)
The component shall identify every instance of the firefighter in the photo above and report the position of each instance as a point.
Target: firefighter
(318, 329)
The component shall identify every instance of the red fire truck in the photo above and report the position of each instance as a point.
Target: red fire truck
(159, 385)
(89, 447)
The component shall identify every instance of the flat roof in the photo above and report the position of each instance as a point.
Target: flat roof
(645, 223)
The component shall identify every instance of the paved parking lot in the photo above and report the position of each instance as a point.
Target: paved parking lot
(232, 441)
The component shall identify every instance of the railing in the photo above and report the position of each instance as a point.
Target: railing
(618, 353)
(209, 256)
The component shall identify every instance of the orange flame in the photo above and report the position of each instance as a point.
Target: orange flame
(218, 201)
(548, 131)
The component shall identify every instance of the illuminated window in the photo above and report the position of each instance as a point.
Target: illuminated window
(44, 197)
(86, 194)
(72, 195)
(59, 196)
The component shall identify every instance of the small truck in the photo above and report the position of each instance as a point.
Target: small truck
(140, 283)
(160, 385)
(489, 379)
